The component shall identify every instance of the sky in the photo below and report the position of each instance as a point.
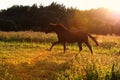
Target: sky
(79, 4)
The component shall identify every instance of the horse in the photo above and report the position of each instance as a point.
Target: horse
(66, 36)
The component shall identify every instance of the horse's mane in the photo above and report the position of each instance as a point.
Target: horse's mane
(59, 26)
(65, 28)
(62, 26)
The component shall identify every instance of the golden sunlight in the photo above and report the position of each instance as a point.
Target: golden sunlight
(115, 9)
(112, 5)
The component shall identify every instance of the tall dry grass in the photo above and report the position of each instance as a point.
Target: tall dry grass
(27, 36)
(21, 58)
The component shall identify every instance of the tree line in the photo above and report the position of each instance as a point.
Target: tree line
(37, 18)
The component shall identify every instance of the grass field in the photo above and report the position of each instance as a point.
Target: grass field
(25, 56)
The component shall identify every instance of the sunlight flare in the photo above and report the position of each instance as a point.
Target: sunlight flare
(112, 5)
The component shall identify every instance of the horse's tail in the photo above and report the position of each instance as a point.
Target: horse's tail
(93, 39)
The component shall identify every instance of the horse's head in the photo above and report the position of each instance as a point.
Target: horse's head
(57, 28)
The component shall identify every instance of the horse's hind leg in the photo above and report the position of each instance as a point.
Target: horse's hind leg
(80, 46)
(88, 45)
(54, 44)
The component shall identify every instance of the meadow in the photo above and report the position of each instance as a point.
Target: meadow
(25, 56)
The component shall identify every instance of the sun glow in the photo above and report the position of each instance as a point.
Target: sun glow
(115, 9)
(112, 5)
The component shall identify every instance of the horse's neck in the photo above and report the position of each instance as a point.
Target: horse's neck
(62, 31)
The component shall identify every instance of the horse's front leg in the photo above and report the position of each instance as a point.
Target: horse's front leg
(57, 42)
(80, 46)
(64, 45)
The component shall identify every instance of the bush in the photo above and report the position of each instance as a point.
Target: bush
(7, 25)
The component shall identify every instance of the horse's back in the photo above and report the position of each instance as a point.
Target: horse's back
(73, 36)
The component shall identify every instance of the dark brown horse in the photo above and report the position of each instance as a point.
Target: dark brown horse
(64, 35)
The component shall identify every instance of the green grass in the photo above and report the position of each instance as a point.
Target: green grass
(25, 56)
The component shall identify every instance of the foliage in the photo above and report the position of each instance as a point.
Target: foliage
(98, 21)
(8, 25)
